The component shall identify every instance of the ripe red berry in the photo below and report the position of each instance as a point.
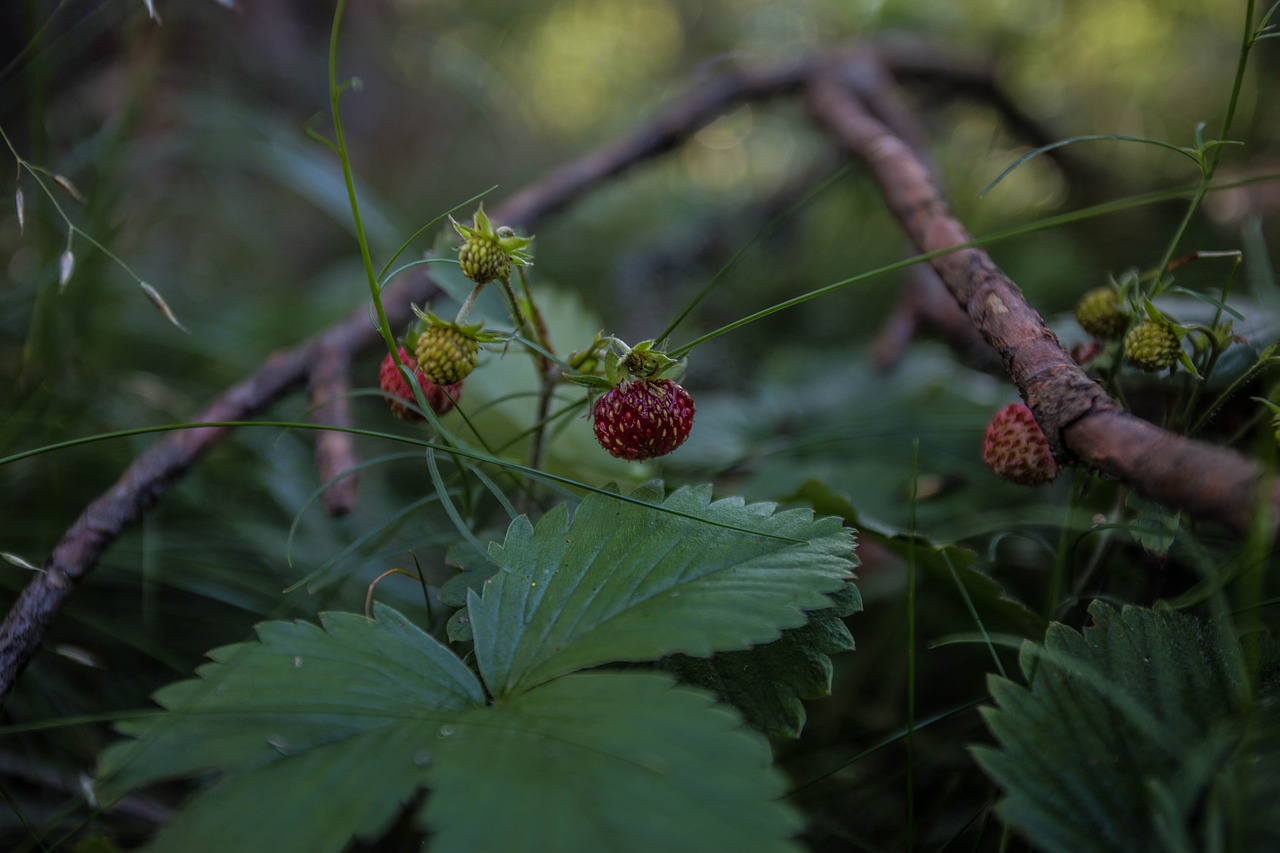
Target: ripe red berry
(392, 383)
(1016, 449)
(643, 418)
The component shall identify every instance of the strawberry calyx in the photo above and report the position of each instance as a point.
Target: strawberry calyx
(609, 362)
(489, 253)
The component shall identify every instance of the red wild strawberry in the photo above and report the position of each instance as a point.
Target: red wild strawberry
(392, 383)
(1016, 449)
(643, 418)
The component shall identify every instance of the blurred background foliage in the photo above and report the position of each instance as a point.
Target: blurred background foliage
(186, 140)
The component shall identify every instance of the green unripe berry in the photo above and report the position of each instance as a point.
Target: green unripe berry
(1100, 314)
(483, 260)
(1151, 346)
(446, 354)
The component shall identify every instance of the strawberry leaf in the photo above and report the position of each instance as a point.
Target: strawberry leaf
(606, 761)
(625, 581)
(321, 734)
(767, 683)
(1138, 733)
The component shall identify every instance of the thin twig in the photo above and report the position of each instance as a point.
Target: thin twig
(331, 406)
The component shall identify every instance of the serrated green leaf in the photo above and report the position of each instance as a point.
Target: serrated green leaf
(943, 563)
(621, 581)
(767, 683)
(320, 732)
(474, 568)
(1125, 733)
(606, 761)
(315, 801)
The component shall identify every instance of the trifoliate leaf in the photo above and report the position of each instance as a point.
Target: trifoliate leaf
(767, 683)
(1136, 735)
(628, 581)
(606, 761)
(320, 734)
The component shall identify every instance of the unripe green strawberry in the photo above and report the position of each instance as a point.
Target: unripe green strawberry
(1100, 314)
(487, 254)
(643, 418)
(1151, 345)
(400, 396)
(446, 353)
(1015, 447)
(482, 260)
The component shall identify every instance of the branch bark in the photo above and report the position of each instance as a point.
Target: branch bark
(1081, 421)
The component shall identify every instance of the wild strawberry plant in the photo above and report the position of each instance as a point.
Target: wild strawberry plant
(625, 666)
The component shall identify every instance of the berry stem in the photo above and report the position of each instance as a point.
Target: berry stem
(537, 326)
(468, 304)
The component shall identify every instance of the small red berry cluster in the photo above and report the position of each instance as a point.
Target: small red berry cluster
(640, 411)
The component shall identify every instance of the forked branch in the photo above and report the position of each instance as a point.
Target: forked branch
(1083, 422)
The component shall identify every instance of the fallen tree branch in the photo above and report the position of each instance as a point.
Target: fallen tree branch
(1081, 421)
(335, 449)
(1081, 424)
(150, 475)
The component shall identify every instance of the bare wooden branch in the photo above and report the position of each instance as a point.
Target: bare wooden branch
(335, 449)
(1081, 421)
(150, 475)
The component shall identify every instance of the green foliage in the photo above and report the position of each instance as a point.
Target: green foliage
(1141, 728)
(766, 683)
(606, 761)
(361, 713)
(318, 732)
(625, 582)
(312, 736)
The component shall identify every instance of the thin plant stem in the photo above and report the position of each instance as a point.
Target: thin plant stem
(911, 644)
(1062, 552)
(1045, 224)
(340, 140)
(1211, 159)
(465, 310)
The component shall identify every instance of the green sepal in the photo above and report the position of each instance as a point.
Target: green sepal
(645, 362)
(641, 361)
(504, 237)
(471, 330)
